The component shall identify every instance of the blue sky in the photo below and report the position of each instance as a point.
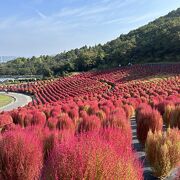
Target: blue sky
(34, 27)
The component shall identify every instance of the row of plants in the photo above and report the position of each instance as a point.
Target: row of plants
(162, 147)
(72, 141)
(79, 126)
(127, 82)
(78, 117)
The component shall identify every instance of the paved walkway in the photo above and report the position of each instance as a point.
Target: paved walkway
(20, 100)
(140, 151)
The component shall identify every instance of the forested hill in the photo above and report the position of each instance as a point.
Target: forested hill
(158, 41)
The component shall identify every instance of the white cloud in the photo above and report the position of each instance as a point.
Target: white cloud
(40, 14)
(101, 12)
(71, 26)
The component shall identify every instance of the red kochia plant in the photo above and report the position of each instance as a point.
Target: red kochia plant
(19, 118)
(49, 137)
(74, 114)
(142, 111)
(5, 119)
(20, 156)
(150, 120)
(89, 123)
(175, 117)
(55, 111)
(163, 151)
(39, 118)
(52, 122)
(28, 119)
(168, 114)
(162, 106)
(129, 110)
(118, 119)
(118, 139)
(90, 157)
(65, 123)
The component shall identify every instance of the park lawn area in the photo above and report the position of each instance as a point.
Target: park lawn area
(4, 100)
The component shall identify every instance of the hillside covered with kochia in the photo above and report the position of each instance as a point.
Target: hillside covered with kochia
(158, 41)
(80, 127)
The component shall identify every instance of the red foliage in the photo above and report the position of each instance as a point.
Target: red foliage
(117, 119)
(65, 123)
(74, 114)
(161, 106)
(89, 123)
(28, 119)
(39, 118)
(20, 156)
(89, 157)
(5, 119)
(52, 123)
(148, 119)
(93, 101)
(175, 117)
(129, 110)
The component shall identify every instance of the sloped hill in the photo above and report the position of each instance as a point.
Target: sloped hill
(158, 41)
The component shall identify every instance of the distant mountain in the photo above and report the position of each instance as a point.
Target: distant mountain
(158, 41)
(4, 59)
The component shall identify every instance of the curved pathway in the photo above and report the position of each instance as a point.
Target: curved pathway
(20, 100)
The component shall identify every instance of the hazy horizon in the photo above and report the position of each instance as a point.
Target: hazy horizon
(41, 27)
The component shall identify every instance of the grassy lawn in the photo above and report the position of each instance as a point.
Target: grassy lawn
(4, 100)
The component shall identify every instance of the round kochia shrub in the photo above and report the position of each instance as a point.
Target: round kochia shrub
(148, 120)
(20, 156)
(120, 140)
(163, 151)
(52, 122)
(89, 123)
(5, 120)
(65, 123)
(162, 106)
(39, 118)
(167, 114)
(89, 156)
(175, 117)
(142, 111)
(26, 117)
(118, 119)
(129, 110)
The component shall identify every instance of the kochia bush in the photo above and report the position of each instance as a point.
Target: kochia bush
(39, 118)
(5, 120)
(65, 123)
(52, 122)
(20, 156)
(90, 157)
(175, 117)
(168, 114)
(148, 120)
(163, 151)
(89, 123)
(118, 119)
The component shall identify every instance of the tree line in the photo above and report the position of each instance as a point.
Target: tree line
(158, 41)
